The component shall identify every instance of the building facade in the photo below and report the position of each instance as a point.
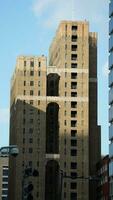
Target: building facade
(103, 179)
(4, 170)
(53, 117)
(111, 97)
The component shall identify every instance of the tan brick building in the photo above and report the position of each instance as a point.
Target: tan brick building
(54, 117)
(4, 169)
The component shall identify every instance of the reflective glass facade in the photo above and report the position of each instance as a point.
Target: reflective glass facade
(111, 97)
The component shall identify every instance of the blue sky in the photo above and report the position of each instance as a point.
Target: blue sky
(28, 26)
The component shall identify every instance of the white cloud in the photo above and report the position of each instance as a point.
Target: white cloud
(4, 115)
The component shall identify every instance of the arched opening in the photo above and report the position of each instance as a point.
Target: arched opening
(52, 128)
(53, 85)
(52, 181)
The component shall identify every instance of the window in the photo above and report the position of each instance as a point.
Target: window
(65, 84)
(39, 83)
(74, 28)
(39, 93)
(73, 186)
(31, 102)
(24, 83)
(65, 123)
(73, 94)
(30, 150)
(73, 152)
(31, 130)
(32, 63)
(73, 133)
(23, 130)
(4, 191)
(5, 172)
(30, 140)
(73, 175)
(31, 121)
(31, 83)
(65, 94)
(24, 111)
(73, 165)
(73, 104)
(25, 63)
(73, 85)
(24, 72)
(23, 140)
(24, 121)
(39, 64)
(5, 179)
(24, 92)
(73, 142)
(38, 102)
(73, 196)
(73, 75)
(73, 56)
(74, 38)
(31, 92)
(30, 163)
(73, 65)
(4, 185)
(73, 123)
(31, 73)
(73, 113)
(74, 48)
(38, 73)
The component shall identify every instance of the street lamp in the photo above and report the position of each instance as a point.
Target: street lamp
(9, 150)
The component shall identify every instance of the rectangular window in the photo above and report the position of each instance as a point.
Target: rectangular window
(39, 64)
(31, 73)
(74, 38)
(73, 75)
(31, 102)
(73, 123)
(24, 83)
(73, 104)
(31, 130)
(73, 65)
(31, 83)
(25, 63)
(73, 152)
(73, 56)
(73, 165)
(24, 92)
(73, 175)
(74, 48)
(73, 186)
(73, 142)
(31, 92)
(24, 72)
(30, 150)
(73, 196)
(73, 94)
(38, 73)
(73, 85)
(73, 133)
(32, 64)
(74, 28)
(39, 93)
(30, 140)
(73, 114)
